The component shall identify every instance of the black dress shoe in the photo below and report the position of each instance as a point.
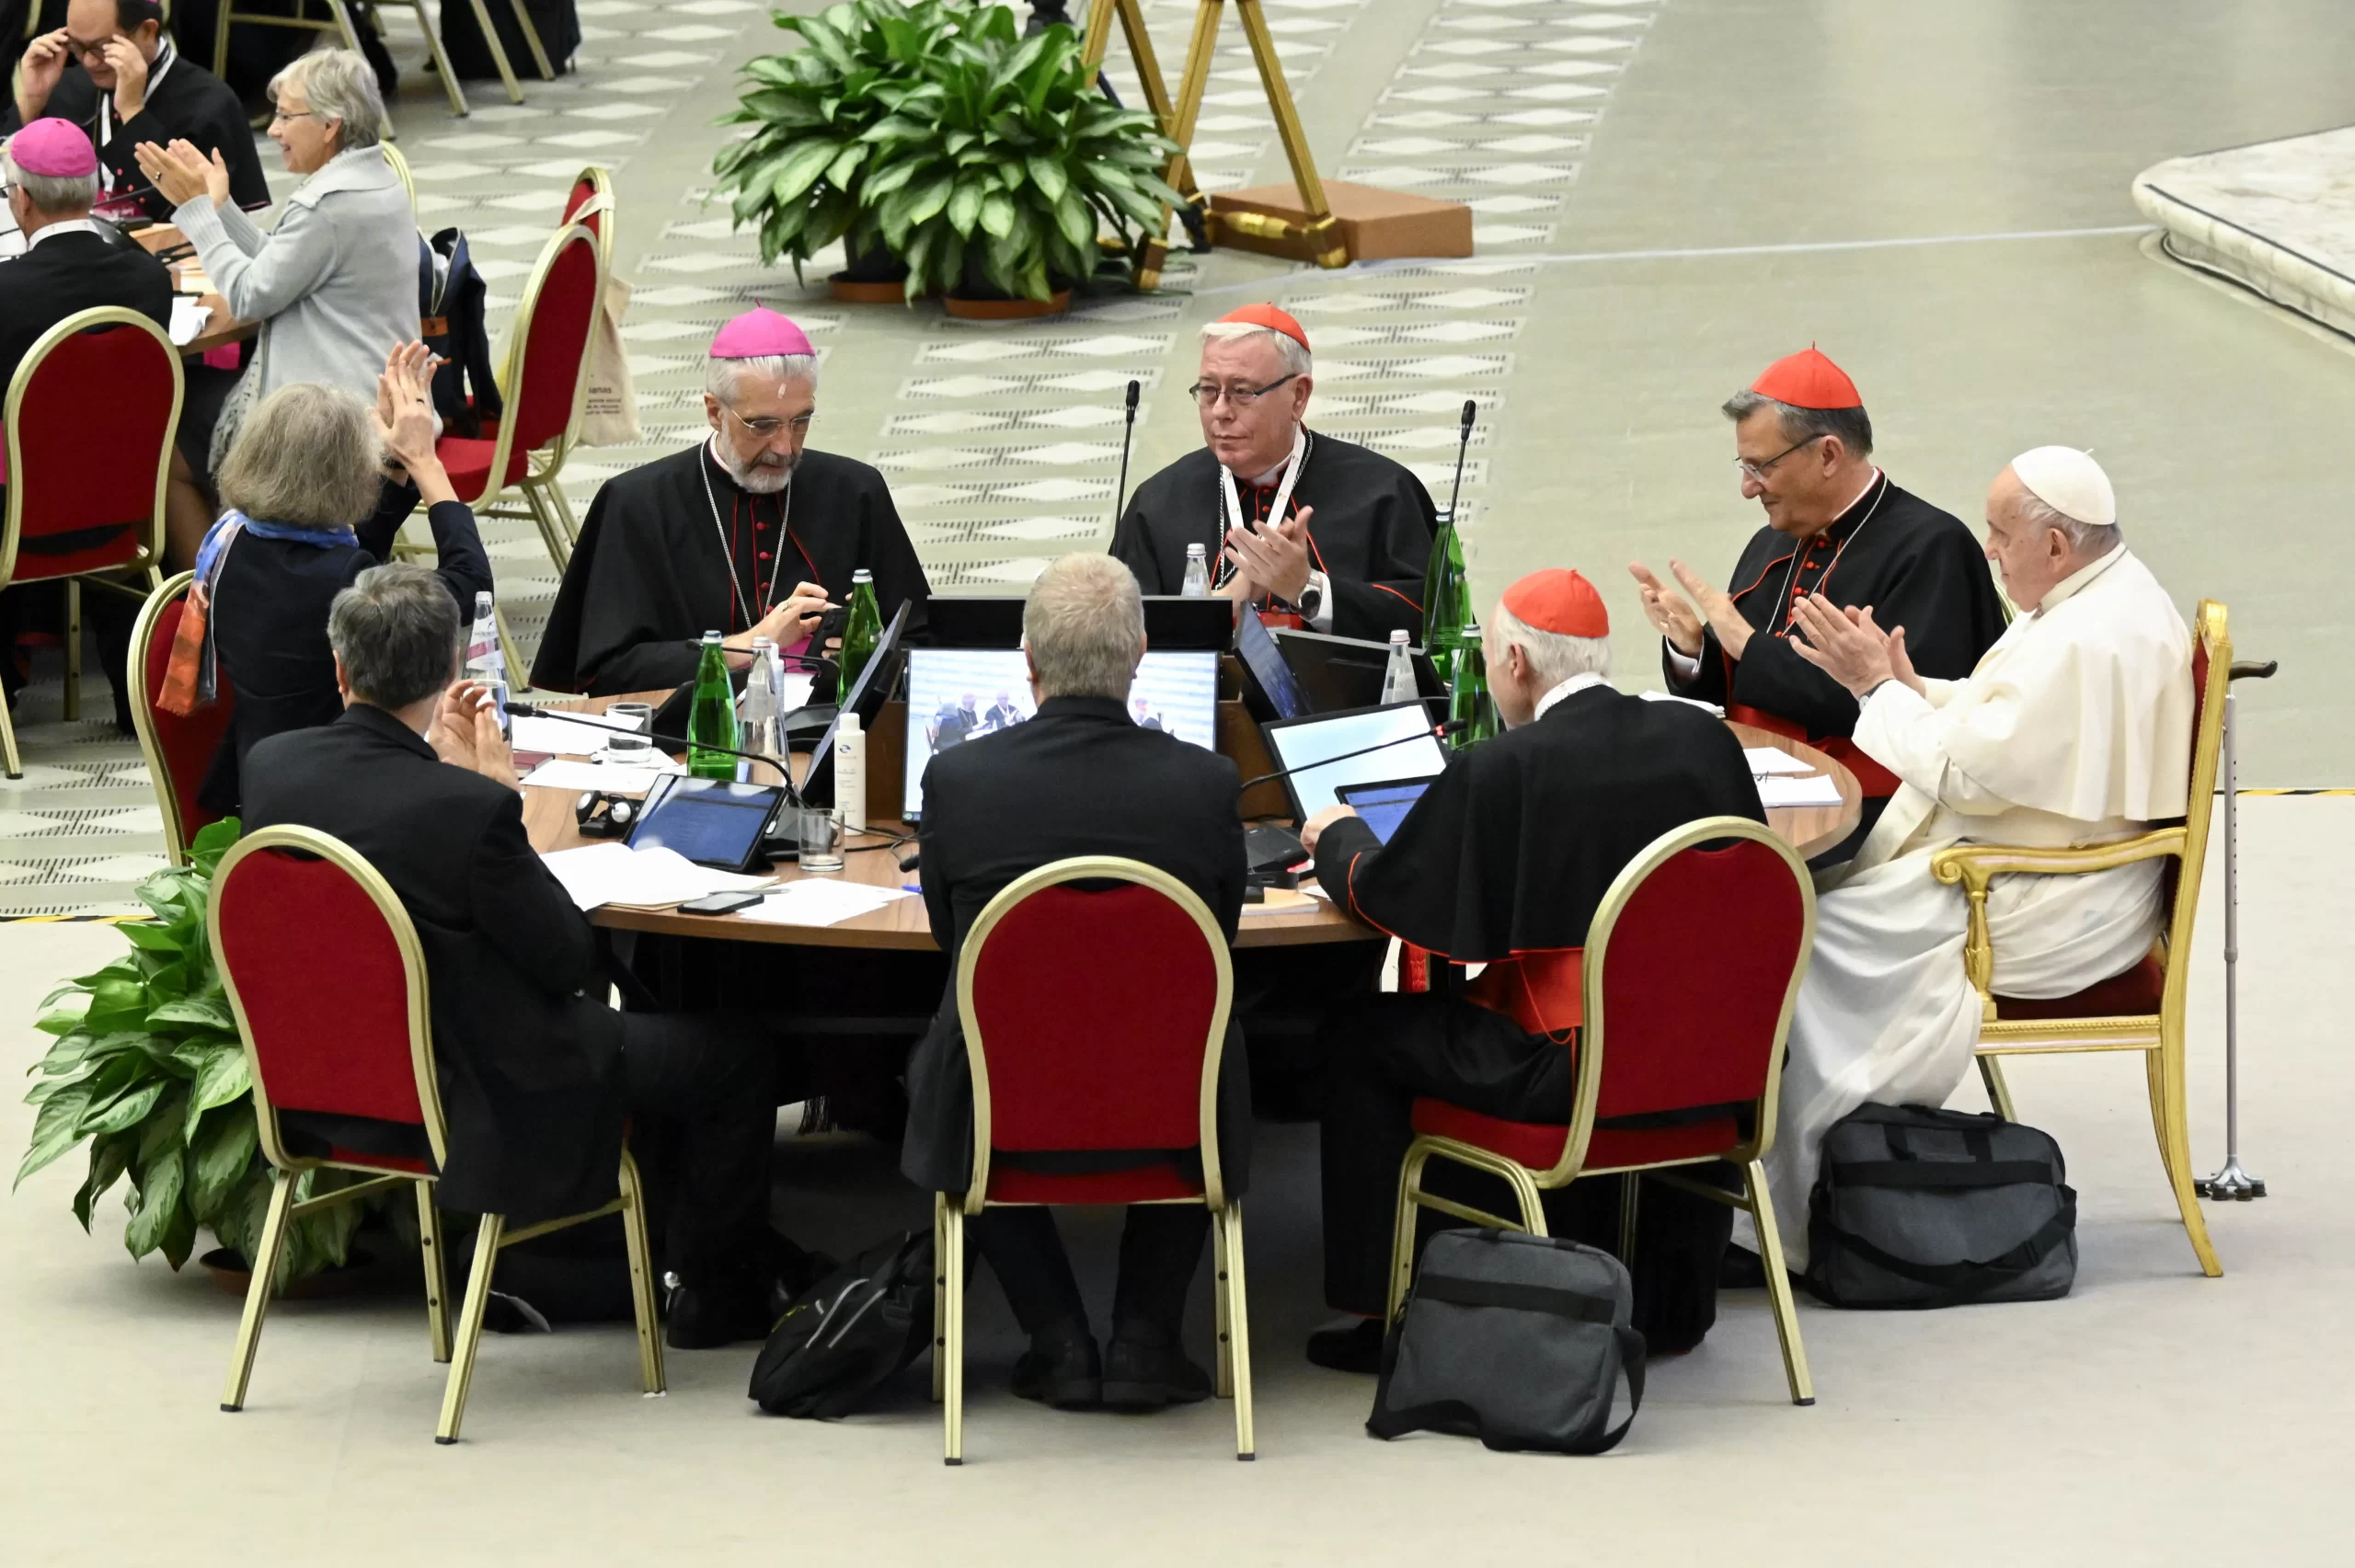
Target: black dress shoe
(1145, 1367)
(1061, 1369)
(704, 1317)
(1351, 1346)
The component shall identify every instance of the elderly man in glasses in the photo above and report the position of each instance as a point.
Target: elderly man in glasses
(748, 531)
(1309, 530)
(1835, 525)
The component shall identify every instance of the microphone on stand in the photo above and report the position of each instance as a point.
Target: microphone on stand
(1463, 440)
(1119, 496)
(1436, 732)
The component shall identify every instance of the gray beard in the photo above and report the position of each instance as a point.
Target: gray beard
(752, 478)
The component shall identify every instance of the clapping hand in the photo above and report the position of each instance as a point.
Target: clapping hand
(1275, 557)
(1846, 644)
(465, 734)
(406, 425)
(182, 174)
(1671, 615)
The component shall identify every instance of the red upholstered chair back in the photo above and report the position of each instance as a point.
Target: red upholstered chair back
(91, 417)
(1093, 1018)
(328, 985)
(178, 750)
(584, 191)
(552, 336)
(1691, 966)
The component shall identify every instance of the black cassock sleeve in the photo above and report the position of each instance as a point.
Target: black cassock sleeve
(1389, 597)
(607, 631)
(891, 556)
(1132, 547)
(1425, 886)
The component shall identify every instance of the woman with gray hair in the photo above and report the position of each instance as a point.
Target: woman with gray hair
(333, 285)
(308, 510)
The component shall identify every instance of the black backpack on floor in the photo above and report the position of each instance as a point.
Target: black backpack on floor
(1922, 1207)
(849, 1333)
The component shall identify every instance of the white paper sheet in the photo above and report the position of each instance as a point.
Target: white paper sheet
(1784, 790)
(188, 318)
(616, 873)
(818, 900)
(609, 778)
(1765, 760)
(578, 735)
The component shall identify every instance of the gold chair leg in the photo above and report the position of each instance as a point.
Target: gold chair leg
(641, 1278)
(1532, 1202)
(1222, 1368)
(498, 52)
(73, 649)
(265, 1268)
(2156, 1075)
(562, 505)
(1999, 1094)
(939, 1296)
(1236, 1350)
(1778, 1282)
(532, 40)
(1402, 1232)
(2175, 1148)
(437, 1280)
(16, 767)
(551, 532)
(220, 39)
(952, 1402)
(458, 104)
(462, 1360)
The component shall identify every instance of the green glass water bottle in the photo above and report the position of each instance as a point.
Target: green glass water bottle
(1467, 692)
(861, 631)
(1446, 593)
(711, 723)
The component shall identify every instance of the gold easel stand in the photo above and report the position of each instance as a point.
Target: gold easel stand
(1306, 221)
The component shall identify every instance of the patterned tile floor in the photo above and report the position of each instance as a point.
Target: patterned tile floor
(1001, 444)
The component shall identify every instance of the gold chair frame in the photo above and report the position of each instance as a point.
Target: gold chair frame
(1587, 1045)
(142, 718)
(339, 20)
(1234, 1371)
(2159, 1035)
(494, 1233)
(599, 179)
(151, 549)
(408, 180)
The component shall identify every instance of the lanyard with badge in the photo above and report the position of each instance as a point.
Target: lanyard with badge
(1231, 502)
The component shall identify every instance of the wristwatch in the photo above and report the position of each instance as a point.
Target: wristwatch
(1311, 602)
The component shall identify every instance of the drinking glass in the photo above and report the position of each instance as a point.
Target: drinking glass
(634, 744)
(821, 841)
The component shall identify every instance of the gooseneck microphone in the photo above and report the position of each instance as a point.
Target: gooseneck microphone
(535, 710)
(1463, 440)
(1128, 431)
(1436, 732)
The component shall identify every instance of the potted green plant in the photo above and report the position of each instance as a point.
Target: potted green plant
(984, 162)
(148, 1070)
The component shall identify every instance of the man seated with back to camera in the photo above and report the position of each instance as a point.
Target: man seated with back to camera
(537, 1073)
(1077, 778)
(1503, 862)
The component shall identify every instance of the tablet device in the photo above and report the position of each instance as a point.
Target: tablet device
(710, 821)
(1269, 690)
(866, 698)
(956, 695)
(1321, 751)
(1346, 672)
(1384, 804)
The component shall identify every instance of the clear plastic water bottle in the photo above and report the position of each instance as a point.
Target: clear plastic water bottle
(485, 661)
(1198, 573)
(1398, 672)
(759, 709)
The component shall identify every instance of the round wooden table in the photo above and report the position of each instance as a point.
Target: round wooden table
(902, 924)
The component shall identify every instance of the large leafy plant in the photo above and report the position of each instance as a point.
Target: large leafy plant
(935, 130)
(148, 1070)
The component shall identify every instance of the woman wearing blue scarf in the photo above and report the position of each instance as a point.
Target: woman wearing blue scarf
(316, 488)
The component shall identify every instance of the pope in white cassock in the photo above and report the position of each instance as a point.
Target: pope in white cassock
(2073, 730)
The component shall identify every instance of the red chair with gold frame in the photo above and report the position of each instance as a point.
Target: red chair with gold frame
(590, 203)
(2141, 1010)
(1094, 1020)
(178, 751)
(86, 497)
(542, 384)
(1676, 1046)
(328, 985)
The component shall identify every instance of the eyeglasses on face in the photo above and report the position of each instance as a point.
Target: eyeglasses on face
(1207, 394)
(1757, 471)
(768, 429)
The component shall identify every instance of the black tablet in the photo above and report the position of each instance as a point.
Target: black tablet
(1383, 803)
(713, 823)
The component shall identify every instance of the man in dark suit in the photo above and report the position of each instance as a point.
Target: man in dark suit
(1077, 778)
(112, 71)
(537, 1074)
(71, 264)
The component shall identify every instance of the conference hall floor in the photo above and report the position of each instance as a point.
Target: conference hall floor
(1666, 195)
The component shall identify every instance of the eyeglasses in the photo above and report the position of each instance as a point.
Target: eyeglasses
(88, 52)
(768, 429)
(281, 115)
(1208, 394)
(1758, 470)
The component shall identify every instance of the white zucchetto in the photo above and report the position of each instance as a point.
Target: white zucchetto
(2070, 481)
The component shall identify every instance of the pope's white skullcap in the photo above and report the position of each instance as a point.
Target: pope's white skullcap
(2070, 481)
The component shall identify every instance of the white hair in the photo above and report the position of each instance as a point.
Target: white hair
(341, 85)
(1295, 354)
(2088, 539)
(1084, 623)
(722, 377)
(1553, 658)
(53, 195)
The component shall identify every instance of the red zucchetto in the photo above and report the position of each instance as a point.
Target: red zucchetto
(1807, 380)
(1560, 601)
(1272, 319)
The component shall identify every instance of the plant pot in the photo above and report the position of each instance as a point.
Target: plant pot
(232, 1273)
(1007, 309)
(851, 290)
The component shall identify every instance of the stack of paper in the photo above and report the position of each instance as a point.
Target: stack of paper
(575, 734)
(606, 778)
(1781, 789)
(188, 318)
(816, 900)
(596, 875)
(1765, 760)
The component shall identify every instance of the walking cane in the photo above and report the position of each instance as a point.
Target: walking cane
(2232, 1183)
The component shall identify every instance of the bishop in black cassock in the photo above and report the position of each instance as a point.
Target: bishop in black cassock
(179, 100)
(1503, 862)
(683, 545)
(1300, 523)
(1836, 525)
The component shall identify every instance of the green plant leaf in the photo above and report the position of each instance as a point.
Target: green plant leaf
(845, 164)
(117, 1003)
(224, 1077)
(925, 201)
(159, 1201)
(1047, 176)
(965, 207)
(108, 1156)
(211, 841)
(218, 1156)
(150, 934)
(125, 1111)
(64, 1020)
(797, 170)
(998, 214)
(55, 1129)
(197, 1013)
